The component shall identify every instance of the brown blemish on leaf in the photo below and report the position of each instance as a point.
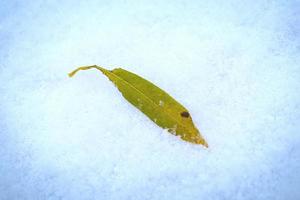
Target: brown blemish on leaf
(185, 114)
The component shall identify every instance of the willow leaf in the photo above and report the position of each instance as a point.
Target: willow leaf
(155, 103)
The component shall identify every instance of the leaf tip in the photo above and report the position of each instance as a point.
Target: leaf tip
(200, 140)
(205, 144)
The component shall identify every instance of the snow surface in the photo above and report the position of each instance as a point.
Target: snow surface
(233, 64)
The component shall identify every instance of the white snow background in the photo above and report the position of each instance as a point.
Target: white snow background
(233, 64)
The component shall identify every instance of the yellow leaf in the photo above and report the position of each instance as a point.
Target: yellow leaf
(154, 102)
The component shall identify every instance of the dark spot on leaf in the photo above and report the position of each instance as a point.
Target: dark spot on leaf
(185, 114)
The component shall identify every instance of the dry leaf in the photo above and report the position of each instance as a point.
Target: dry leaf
(159, 106)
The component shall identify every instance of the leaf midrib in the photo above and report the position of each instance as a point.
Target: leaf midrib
(148, 99)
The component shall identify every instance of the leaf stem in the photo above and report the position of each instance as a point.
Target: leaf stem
(85, 68)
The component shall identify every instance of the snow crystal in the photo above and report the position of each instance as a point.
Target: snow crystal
(161, 103)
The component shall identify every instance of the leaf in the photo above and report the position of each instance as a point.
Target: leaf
(159, 106)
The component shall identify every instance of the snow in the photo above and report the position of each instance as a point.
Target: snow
(234, 65)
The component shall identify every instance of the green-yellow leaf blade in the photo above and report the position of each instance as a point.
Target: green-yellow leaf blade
(154, 102)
